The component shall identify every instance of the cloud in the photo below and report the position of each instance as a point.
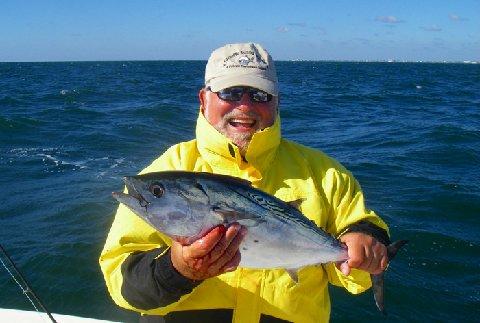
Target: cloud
(320, 30)
(456, 18)
(432, 28)
(363, 41)
(297, 24)
(283, 29)
(388, 19)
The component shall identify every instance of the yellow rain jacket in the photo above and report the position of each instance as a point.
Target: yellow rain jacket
(331, 197)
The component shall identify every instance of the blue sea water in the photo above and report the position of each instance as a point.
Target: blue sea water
(409, 132)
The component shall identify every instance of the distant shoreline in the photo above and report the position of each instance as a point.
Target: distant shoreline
(291, 60)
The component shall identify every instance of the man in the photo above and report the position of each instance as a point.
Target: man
(238, 134)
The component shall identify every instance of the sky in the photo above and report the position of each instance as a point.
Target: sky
(420, 30)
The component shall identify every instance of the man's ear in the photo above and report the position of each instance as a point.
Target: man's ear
(201, 97)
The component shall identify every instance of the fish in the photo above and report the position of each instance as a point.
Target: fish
(186, 205)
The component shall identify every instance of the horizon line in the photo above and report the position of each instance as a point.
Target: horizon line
(279, 60)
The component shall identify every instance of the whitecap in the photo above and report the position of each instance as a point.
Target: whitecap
(49, 157)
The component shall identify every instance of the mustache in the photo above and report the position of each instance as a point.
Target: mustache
(237, 114)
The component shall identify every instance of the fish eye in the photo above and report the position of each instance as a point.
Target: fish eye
(157, 189)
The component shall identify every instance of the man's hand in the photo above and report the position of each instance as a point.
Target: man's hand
(213, 254)
(364, 252)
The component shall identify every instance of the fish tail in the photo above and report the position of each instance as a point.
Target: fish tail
(394, 247)
(377, 286)
(377, 280)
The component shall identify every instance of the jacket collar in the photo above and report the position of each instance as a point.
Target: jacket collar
(221, 154)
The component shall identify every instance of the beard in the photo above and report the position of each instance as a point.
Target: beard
(240, 138)
(242, 141)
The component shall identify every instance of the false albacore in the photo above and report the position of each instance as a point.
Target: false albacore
(186, 205)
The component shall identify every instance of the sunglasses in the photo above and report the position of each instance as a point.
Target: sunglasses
(235, 94)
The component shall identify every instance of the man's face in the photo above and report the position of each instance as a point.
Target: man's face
(237, 120)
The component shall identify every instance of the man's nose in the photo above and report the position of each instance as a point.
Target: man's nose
(245, 100)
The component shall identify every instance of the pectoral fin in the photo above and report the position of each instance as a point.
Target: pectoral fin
(229, 215)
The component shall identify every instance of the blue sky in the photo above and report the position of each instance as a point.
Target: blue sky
(319, 30)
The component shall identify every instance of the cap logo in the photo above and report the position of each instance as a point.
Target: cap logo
(246, 59)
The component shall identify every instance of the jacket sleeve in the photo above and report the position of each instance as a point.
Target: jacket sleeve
(150, 280)
(135, 260)
(347, 211)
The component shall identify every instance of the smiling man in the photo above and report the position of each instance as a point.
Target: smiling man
(234, 109)
(238, 134)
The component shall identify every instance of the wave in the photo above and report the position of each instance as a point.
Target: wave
(71, 112)
(11, 101)
(17, 124)
(60, 160)
(452, 134)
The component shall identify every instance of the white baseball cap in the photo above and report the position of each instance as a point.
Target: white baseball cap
(245, 64)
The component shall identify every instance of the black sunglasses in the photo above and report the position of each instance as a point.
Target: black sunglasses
(235, 93)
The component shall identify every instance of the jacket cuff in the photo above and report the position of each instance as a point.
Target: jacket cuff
(370, 229)
(169, 277)
(150, 280)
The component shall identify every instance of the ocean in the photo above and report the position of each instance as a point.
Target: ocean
(409, 132)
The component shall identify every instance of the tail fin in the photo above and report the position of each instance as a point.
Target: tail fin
(377, 280)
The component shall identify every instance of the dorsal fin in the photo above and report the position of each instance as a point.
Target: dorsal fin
(296, 203)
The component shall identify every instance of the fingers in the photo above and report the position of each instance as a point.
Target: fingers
(343, 267)
(364, 253)
(228, 258)
(380, 259)
(384, 261)
(213, 254)
(204, 245)
(376, 259)
(224, 243)
(368, 262)
(233, 263)
(356, 255)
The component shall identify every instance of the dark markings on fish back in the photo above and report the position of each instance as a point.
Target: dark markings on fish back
(175, 174)
(200, 187)
(243, 187)
(282, 209)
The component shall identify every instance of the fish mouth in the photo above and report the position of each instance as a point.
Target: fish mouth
(133, 192)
